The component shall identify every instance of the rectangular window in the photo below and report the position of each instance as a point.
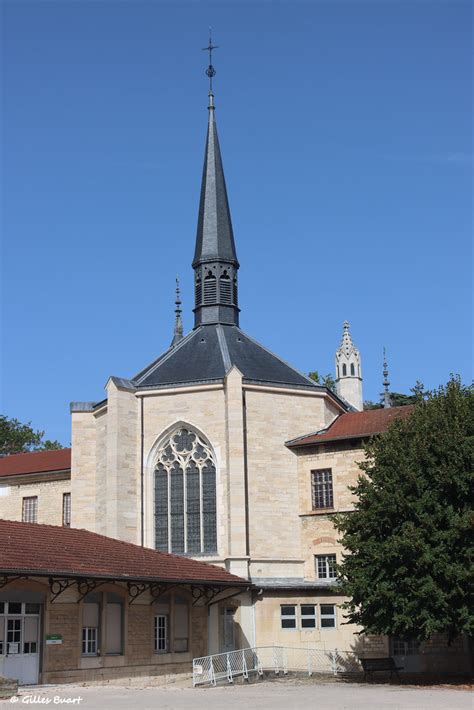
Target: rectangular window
(67, 510)
(288, 616)
(321, 489)
(308, 616)
(326, 566)
(328, 616)
(405, 647)
(30, 509)
(161, 633)
(89, 641)
(90, 628)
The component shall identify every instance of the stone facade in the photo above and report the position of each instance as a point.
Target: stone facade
(49, 490)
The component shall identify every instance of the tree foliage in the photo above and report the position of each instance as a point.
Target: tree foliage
(409, 542)
(17, 438)
(398, 399)
(325, 380)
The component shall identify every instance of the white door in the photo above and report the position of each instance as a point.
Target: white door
(21, 648)
(227, 629)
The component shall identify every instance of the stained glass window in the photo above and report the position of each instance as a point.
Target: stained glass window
(185, 495)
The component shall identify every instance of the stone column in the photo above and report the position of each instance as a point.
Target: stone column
(123, 463)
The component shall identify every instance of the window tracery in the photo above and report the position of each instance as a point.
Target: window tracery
(185, 495)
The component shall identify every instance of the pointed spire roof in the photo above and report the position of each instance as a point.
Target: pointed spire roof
(347, 346)
(178, 324)
(214, 238)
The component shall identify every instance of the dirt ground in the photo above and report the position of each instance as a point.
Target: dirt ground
(282, 694)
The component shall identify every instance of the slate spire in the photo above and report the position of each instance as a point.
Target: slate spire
(215, 261)
(178, 324)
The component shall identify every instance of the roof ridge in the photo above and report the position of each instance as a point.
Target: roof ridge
(223, 347)
(149, 369)
(50, 452)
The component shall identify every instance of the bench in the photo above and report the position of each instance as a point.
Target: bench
(370, 665)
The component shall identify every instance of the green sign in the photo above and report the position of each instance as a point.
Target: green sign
(53, 639)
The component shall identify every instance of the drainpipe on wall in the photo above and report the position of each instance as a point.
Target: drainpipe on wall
(246, 475)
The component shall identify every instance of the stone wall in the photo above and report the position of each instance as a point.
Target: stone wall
(49, 493)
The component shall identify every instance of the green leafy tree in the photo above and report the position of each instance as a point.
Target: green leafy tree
(325, 380)
(409, 542)
(398, 399)
(17, 438)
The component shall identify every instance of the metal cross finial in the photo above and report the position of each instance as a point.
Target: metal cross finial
(210, 71)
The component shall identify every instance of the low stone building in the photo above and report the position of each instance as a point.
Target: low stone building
(78, 606)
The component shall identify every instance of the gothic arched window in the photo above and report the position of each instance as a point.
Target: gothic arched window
(344, 370)
(352, 369)
(185, 495)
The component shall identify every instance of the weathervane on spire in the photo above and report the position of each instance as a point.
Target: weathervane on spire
(210, 71)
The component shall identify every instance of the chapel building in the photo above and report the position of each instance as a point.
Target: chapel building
(219, 452)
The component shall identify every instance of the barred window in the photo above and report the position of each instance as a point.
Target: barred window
(30, 509)
(161, 633)
(90, 625)
(321, 485)
(67, 510)
(326, 566)
(185, 495)
(89, 641)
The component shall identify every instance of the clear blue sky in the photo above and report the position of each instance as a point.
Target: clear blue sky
(345, 129)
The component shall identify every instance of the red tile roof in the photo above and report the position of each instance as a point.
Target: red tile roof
(354, 425)
(27, 548)
(36, 462)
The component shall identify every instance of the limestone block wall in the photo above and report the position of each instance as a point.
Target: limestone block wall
(274, 417)
(123, 465)
(84, 471)
(50, 499)
(205, 411)
(318, 536)
(268, 622)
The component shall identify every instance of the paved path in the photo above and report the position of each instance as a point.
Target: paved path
(282, 695)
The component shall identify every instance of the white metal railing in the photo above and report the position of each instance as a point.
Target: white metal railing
(208, 670)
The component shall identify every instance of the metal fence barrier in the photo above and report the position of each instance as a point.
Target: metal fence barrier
(208, 670)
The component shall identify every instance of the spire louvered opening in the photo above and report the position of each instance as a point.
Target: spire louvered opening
(198, 291)
(210, 289)
(225, 289)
